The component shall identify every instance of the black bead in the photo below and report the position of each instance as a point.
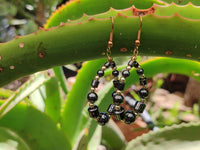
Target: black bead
(125, 73)
(143, 93)
(120, 85)
(119, 114)
(115, 83)
(107, 64)
(103, 118)
(118, 99)
(95, 83)
(112, 64)
(139, 107)
(114, 93)
(140, 71)
(133, 63)
(93, 111)
(100, 73)
(143, 81)
(92, 97)
(115, 73)
(129, 117)
(111, 109)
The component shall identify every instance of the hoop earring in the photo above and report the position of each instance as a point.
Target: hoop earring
(102, 117)
(115, 109)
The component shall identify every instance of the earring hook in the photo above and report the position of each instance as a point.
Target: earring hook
(137, 42)
(110, 42)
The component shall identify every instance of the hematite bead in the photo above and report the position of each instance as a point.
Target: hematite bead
(111, 109)
(140, 71)
(103, 118)
(118, 99)
(143, 81)
(143, 93)
(114, 93)
(95, 83)
(119, 113)
(125, 73)
(112, 64)
(107, 64)
(93, 111)
(92, 97)
(115, 73)
(133, 63)
(100, 73)
(139, 107)
(115, 83)
(129, 117)
(120, 85)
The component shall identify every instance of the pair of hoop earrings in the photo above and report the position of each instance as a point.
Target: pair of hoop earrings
(115, 109)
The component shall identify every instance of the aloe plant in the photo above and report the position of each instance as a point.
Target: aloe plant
(162, 35)
(79, 31)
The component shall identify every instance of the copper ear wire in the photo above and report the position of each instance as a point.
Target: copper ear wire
(137, 42)
(110, 42)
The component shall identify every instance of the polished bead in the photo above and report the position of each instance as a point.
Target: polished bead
(143, 93)
(139, 107)
(125, 73)
(133, 63)
(118, 99)
(115, 83)
(93, 111)
(120, 85)
(112, 64)
(143, 81)
(119, 114)
(103, 118)
(107, 64)
(95, 83)
(111, 109)
(129, 117)
(100, 73)
(114, 93)
(115, 73)
(140, 71)
(92, 97)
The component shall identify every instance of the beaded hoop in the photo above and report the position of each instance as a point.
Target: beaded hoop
(115, 109)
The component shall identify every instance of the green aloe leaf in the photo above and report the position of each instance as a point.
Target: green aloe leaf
(25, 90)
(76, 98)
(113, 137)
(60, 75)
(35, 128)
(176, 137)
(9, 140)
(172, 36)
(53, 99)
(76, 8)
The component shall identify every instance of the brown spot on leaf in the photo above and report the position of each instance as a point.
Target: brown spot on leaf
(179, 1)
(41, 54)
(0, 57)
(21, 45)
(130, 2)
(189, 55)
(41, 50)
(168, 52)
(12, 67)
(1, 69)
(123, 49)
